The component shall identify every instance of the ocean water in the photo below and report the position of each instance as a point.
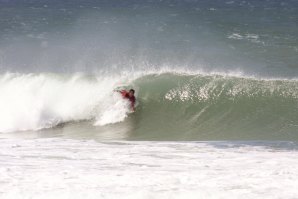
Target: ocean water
(216, 85)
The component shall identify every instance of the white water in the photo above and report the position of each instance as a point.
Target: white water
(57, 168)
(32, 102)
(115, 110)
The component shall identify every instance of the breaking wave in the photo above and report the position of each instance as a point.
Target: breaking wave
(169, 103)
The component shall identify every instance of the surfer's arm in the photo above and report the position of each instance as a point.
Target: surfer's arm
(121, 91)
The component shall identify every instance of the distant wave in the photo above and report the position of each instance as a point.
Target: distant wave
(254, 38)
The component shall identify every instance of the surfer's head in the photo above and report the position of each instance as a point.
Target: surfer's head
(131, 92)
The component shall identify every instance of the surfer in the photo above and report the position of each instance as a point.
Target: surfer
(129, 95)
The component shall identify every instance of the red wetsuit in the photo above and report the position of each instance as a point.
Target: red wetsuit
(132, 99)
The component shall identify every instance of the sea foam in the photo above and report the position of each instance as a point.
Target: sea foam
(32, 102)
